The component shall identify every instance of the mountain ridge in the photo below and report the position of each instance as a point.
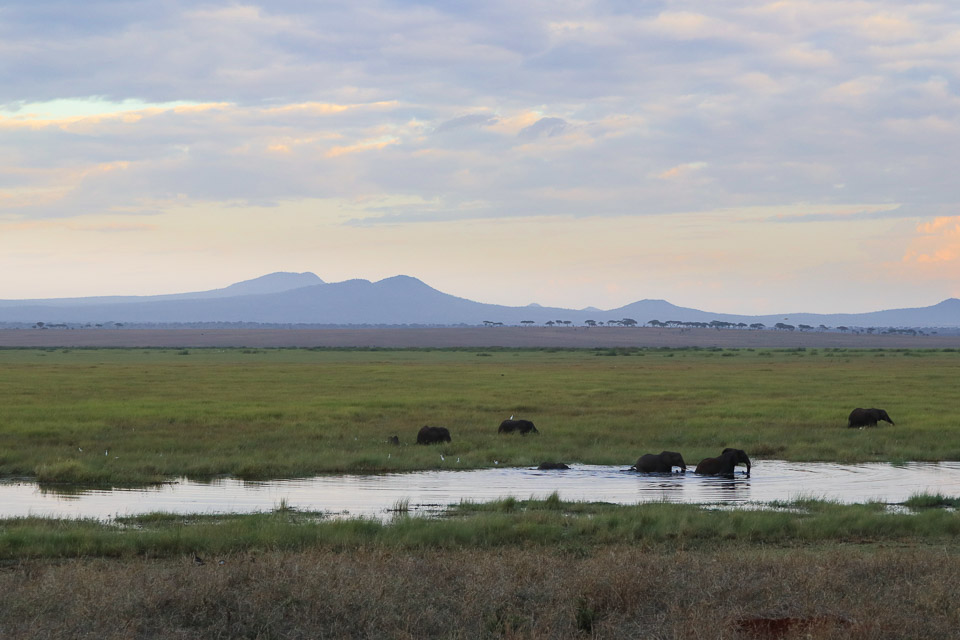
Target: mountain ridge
(305, 299)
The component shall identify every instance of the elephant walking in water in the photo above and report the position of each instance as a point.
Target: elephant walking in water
(867, 417)
(664, 462)
(724, 464)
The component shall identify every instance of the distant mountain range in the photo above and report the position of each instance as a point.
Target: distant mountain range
(305, 299)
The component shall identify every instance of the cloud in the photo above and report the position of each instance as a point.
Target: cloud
(363, 145)
(854, 90)
(681, 170)
(937, 243)
(470, 120)
(490, 111)
(543, 128)
(846, 213)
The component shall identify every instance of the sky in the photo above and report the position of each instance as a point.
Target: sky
(741, 156)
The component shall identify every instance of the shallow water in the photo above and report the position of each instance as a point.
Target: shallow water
(428, 491)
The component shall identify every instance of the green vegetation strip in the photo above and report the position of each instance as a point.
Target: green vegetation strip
(125, 416)
(549, 522)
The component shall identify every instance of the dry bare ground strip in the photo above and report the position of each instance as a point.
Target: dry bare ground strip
(532, 337)
(604, 592)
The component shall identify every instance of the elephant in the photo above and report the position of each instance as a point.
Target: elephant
(433, 435)
(547, 466)
(522, 427)
(724, 464)
(664, 462)
(867, 417)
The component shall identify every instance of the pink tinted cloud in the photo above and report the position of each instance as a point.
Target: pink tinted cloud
(938, 243)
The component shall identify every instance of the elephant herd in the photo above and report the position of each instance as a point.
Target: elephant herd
(436, 435)
(665, 461)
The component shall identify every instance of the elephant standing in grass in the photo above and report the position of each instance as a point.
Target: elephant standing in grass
(664, 462)
(867, 417)
(724, 464)
(523, 427)
(433, 435)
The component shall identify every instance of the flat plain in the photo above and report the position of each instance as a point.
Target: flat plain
(293, 412)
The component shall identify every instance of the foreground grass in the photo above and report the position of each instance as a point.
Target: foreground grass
(615, 591)
(143, 415)
(510, 569)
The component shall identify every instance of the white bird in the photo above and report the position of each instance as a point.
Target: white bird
(458, 460)
(511, 416)
(107, 452)
(441, 457)
(80, 449)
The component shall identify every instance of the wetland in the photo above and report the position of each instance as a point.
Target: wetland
(536, 563)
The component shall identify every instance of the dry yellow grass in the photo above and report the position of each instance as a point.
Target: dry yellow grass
(605, 592)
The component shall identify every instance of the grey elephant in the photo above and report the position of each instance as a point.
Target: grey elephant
(553, 466)
(724, 464)
(433, 435)
(867, 417)
(523, 427)
(663, 462)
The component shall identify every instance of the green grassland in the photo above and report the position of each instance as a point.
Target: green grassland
(144, 415)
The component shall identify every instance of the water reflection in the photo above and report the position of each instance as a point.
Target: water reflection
(426, 491)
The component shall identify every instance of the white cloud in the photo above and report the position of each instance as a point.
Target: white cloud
(492, 111)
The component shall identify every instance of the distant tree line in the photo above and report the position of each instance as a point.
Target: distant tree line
(716, 324)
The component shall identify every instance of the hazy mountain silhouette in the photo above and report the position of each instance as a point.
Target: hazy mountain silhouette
(303, 298)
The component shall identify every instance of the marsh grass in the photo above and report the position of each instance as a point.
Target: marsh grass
(113, 416)
(547, 522)
(932, 501)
